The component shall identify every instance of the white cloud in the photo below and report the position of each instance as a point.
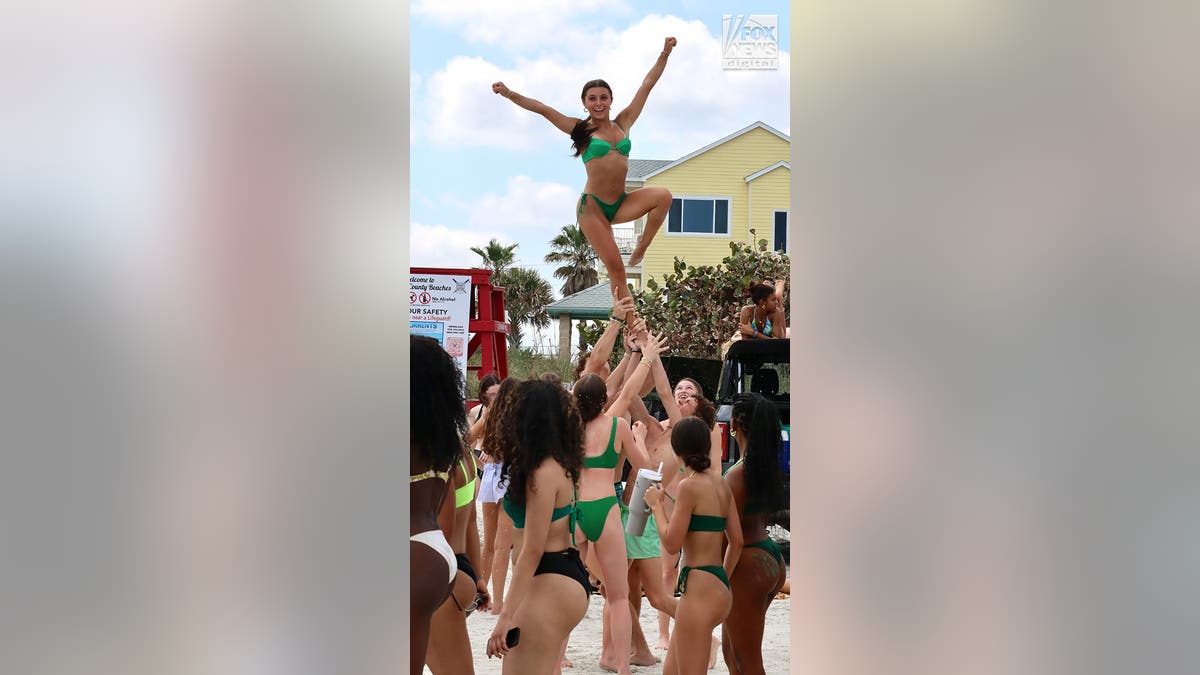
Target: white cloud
(693, 104)
(517, 26)
(527, 208)
(442, 246)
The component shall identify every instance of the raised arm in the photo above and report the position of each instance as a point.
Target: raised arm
(639, 456)
(663, 385)
(633, 383)
(629, 115)
(604, 346)
(565, 124)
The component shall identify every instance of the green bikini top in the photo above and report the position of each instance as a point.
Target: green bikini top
(701, 523)
(464, 494)
(598, 147)
(607, 460)
(517, 513)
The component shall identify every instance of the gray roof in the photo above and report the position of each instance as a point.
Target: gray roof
(590, 303)
(638, 168)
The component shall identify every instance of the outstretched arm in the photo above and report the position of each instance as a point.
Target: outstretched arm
(629, 115)
(604, 346)
(633, 383)
(565, 124)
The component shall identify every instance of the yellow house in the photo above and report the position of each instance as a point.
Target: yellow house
(722, 191)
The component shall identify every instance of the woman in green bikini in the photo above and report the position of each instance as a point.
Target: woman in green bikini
(540, 440)
(607, 439)
(756, 482)
(699, 524)
(604, 200)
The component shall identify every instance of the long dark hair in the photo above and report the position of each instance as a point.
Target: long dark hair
(436, 403)
(764, 438)
(691, 441)
(581, 135)
(539, 421)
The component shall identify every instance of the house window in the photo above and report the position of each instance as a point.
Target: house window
(699, 215)
(781, 223)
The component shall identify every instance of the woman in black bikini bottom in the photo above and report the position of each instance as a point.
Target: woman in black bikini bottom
(703, 518)
(540, 440)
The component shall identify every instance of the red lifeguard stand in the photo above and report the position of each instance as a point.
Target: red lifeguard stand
(488, 329)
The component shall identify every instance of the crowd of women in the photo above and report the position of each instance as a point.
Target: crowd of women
(548, 464)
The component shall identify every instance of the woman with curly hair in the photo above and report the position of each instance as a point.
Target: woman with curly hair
(700, 523)
(607, 440)
(604, 200)
(436, 444)
(756, 482)
(540, 439)
(497, 528)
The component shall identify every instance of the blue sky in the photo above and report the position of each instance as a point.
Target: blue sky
(482, 167)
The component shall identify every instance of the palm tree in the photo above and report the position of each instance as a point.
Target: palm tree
(526, 295)
(571, 247)
(496, 257)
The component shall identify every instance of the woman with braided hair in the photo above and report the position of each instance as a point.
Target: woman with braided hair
(756, 482)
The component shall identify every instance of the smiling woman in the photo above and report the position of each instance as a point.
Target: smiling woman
(604, 201)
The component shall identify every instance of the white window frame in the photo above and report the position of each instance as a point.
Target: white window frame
(704, 235)
(787, 229)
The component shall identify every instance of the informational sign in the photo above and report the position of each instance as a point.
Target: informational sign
(440, 308)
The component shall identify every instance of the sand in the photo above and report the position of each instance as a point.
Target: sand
(583, 649)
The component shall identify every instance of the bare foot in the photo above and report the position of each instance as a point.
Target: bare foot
(715, 644)
(646, 659)
(639, 251)
(566, 663)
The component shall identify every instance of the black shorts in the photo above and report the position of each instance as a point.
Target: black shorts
(566, 563)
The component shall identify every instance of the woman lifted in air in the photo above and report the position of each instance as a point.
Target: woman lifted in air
(604, 200)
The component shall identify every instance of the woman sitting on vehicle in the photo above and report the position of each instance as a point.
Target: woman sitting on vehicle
(763, 317)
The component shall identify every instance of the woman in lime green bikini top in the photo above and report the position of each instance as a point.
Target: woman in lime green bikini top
(700, 522)
(604, 200)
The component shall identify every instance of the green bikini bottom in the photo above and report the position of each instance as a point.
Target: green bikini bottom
(769, 546)
(609, 210)
(591, 516)
(715, 570)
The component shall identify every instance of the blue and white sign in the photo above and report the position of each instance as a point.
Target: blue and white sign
(440, 308)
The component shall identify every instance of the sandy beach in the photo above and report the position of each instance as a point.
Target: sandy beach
(583, 649)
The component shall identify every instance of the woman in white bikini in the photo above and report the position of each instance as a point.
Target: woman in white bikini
(436, 444)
